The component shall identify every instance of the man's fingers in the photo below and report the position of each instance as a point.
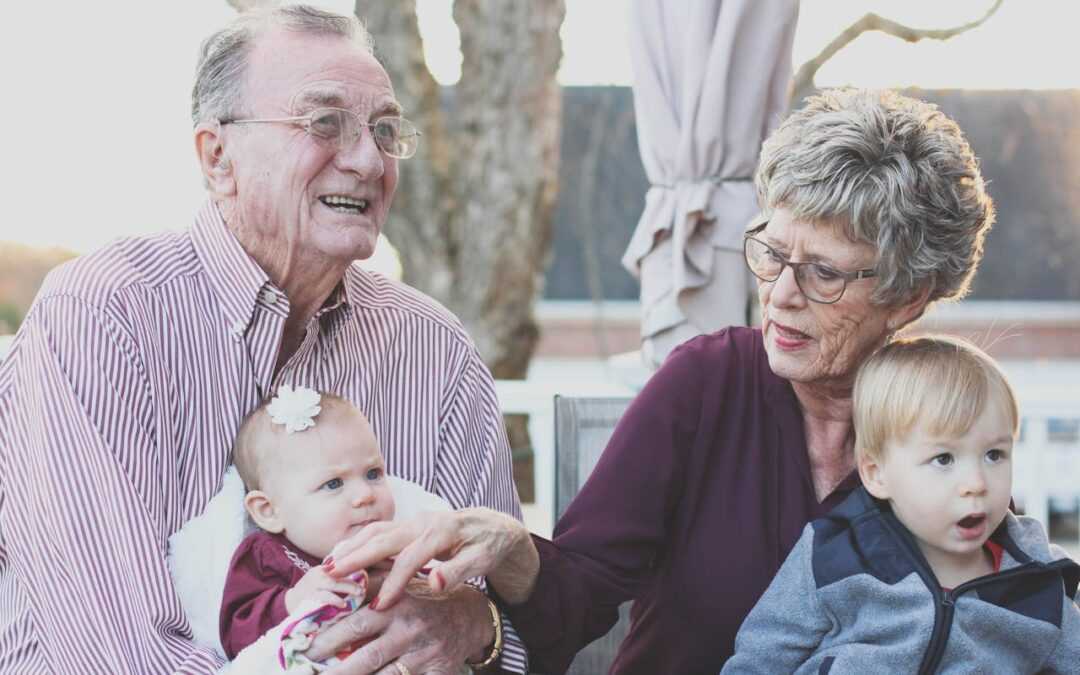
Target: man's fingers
(361, 625)
(372, 657)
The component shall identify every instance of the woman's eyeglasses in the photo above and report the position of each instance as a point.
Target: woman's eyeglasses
(819, 283)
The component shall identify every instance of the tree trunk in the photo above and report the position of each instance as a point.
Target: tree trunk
(472, 219)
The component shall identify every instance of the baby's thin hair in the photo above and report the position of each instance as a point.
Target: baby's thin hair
(940, 381)
(248, 452)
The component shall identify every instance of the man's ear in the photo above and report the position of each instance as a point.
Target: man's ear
(903, 314)
(262, 511)
(216, 169)
(872, 477)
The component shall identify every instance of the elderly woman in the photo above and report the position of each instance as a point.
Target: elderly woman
(873, 208)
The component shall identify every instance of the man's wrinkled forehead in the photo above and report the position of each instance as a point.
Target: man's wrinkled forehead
(331, 95)
(318, 70)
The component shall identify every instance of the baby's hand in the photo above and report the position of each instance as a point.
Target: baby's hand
(317, 588)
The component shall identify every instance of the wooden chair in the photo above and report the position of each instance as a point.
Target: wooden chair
(583, 427)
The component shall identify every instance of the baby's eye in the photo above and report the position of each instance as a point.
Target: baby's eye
(996, 455)
(374, 474)
(944, 459)
(333, 484)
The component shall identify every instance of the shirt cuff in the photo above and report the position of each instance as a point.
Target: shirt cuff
(515, 658)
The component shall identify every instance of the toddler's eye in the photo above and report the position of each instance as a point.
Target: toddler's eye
(944, 459)
(995, 455)
(374, 474)
(333, 484)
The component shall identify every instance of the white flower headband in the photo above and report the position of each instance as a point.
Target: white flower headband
(295, 408)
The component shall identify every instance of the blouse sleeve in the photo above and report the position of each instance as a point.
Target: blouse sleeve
(605, 544)
(254, 597)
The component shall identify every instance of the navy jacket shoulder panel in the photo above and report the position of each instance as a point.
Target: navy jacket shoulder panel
(854, 539)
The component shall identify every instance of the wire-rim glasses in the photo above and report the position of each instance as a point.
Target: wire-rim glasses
(395, 135)
(819, 283)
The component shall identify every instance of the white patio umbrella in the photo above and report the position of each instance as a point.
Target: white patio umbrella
(710, 83)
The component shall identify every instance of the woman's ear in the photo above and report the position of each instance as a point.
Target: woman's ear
(873, 478)
(216, 168)
(262, 511)
(905, 313)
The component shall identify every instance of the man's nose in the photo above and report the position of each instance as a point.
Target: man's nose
(361, 155)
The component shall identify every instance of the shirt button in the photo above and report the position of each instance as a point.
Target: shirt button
(237, 328)
(269, 297)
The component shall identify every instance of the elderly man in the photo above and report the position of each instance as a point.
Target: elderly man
(123, 390)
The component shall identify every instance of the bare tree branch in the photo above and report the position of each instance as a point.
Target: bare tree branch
(803, 83)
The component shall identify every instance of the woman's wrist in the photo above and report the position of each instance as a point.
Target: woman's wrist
(515, 577)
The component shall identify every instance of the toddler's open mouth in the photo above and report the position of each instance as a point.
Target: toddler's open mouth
(972, 526)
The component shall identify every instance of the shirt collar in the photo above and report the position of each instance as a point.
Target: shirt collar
(235, 277)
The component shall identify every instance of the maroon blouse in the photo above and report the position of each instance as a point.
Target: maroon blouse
(695, 503)
(264, 567)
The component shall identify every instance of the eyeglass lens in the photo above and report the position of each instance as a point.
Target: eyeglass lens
(817, 282)
(395, 136)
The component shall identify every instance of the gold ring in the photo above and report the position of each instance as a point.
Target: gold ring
(402, 668)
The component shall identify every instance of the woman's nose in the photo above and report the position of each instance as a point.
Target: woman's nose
(786, 290)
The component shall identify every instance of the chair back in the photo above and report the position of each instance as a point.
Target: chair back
(583, 427)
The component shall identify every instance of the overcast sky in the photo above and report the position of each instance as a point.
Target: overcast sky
(99, 137)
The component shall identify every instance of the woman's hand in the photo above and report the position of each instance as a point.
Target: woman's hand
(470, 543)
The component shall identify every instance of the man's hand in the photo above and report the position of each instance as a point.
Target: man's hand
(432, 634)
(317, 588)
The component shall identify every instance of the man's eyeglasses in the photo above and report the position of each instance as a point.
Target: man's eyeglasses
(819, 283)
(396, 136)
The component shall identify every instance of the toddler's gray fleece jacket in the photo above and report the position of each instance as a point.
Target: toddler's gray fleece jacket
(856, 595)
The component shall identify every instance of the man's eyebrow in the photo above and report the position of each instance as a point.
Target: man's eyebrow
(389, 108)
(334, 99)
(322, 97)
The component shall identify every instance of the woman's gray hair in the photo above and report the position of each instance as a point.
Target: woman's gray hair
(892, 171)
(219, 76)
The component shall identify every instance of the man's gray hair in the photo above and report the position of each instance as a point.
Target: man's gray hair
(891, 171)
(219, 77)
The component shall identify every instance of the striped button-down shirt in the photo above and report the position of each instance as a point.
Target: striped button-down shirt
(119, 400)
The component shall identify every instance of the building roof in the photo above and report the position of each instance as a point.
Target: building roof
(1028, 143)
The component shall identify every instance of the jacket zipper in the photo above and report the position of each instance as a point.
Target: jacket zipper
(946, 602)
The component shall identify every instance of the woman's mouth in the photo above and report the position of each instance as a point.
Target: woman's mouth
(788, 338)
(972, 526)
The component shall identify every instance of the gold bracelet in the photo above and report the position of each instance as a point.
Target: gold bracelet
(497, 646)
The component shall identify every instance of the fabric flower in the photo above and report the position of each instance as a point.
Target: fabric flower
(295, 408)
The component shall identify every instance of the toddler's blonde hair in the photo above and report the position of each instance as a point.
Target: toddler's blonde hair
(940, 381)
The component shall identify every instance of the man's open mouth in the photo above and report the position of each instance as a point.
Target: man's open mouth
(343, 204)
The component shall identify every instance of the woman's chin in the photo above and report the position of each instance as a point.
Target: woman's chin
(793, 365)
